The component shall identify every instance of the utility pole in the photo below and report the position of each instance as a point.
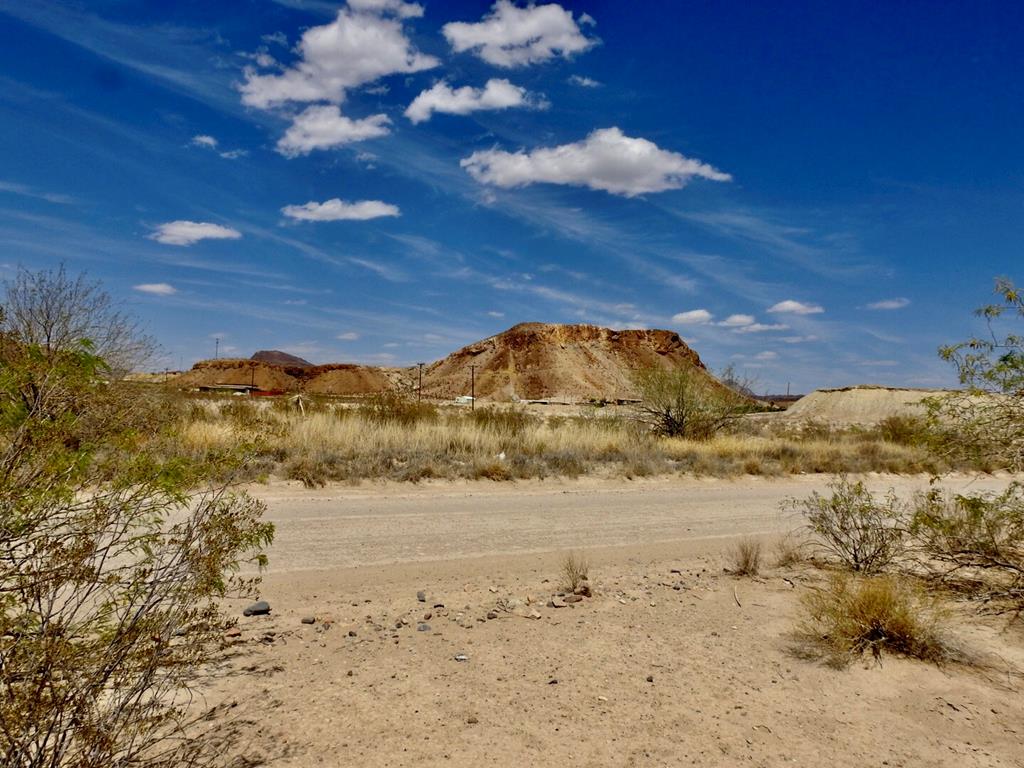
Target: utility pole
(216, 348)
(419, 388)
(472, 387)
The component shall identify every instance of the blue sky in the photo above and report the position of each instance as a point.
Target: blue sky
(817, 193)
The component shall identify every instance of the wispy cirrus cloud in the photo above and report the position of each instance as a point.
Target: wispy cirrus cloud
(26, 191)
(889, 304)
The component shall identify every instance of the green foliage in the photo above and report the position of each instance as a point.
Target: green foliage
(863, 532)
(686, 402)
(985, 423)
(113, 561)
(395, 407)
(977, 539)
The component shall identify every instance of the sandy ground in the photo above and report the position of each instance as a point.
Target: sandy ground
(671, 662)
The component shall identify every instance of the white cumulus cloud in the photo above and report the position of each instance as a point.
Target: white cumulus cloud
(157, 289)
(692, 317)
(898, 303)
(189, 232)
(736, 321)
(348, 336)
(339, 210)
(510, 36)
(607, 160)
(792, 307)
(203, 140)
(583, 82)
(324, 127)
(366, 41)
(496, 94)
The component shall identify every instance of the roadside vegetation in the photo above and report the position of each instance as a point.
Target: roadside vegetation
(396, 438)
(114, 556)
(896, 564)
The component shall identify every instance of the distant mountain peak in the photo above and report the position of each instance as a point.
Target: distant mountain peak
(276, 357)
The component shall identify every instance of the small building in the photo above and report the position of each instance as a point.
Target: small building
(230, 389)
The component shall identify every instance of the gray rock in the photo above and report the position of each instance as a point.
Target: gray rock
(423, 627)
(421, 596)
(461, 657)
(492, 615)
(309, 620)
(261, 608)
(572, 598)
(556, 602)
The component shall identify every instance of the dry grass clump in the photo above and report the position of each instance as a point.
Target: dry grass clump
(745, 557)
(852, 615)
(575, 571)
(790, 550)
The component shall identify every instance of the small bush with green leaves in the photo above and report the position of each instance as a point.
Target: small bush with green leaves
(863, 532)
(977, 540)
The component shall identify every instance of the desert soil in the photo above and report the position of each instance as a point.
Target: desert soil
(672, 662)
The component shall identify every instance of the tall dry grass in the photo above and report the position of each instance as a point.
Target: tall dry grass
(339, 443)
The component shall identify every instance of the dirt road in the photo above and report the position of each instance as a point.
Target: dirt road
(347, 527)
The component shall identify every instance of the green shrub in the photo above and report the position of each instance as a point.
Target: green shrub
(394, 407)
(864, 533)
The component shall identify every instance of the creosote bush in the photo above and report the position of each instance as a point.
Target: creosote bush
(114, 556)
(976, 541)
(575, 571)
(852, 615)
(745, 557)
(863, 532)
(686, 402)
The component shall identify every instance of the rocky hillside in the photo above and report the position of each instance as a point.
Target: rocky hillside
(277, 357)
(335, 379)
(574, 363)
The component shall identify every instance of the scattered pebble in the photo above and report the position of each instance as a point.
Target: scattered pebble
(650, 678)
(421, 596)
(309, 620)
(423, 627)
(461, 657)
(492, 615)
(472, 720)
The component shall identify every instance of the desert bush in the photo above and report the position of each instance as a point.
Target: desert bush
(745, 557)
(985, 422)
(396, 407)
(114, 560)
(976, 540)
(852, 615)
(685, 402)
(508, 421)
(865, 533)
(904, 430)
(575, 571)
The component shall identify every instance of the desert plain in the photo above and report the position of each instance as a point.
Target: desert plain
(422, 625)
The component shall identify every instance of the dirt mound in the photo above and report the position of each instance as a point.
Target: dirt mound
(534, 361)
(336, 379)
(207, 373)
(276, 357)
(344, 379)
(864, 404)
